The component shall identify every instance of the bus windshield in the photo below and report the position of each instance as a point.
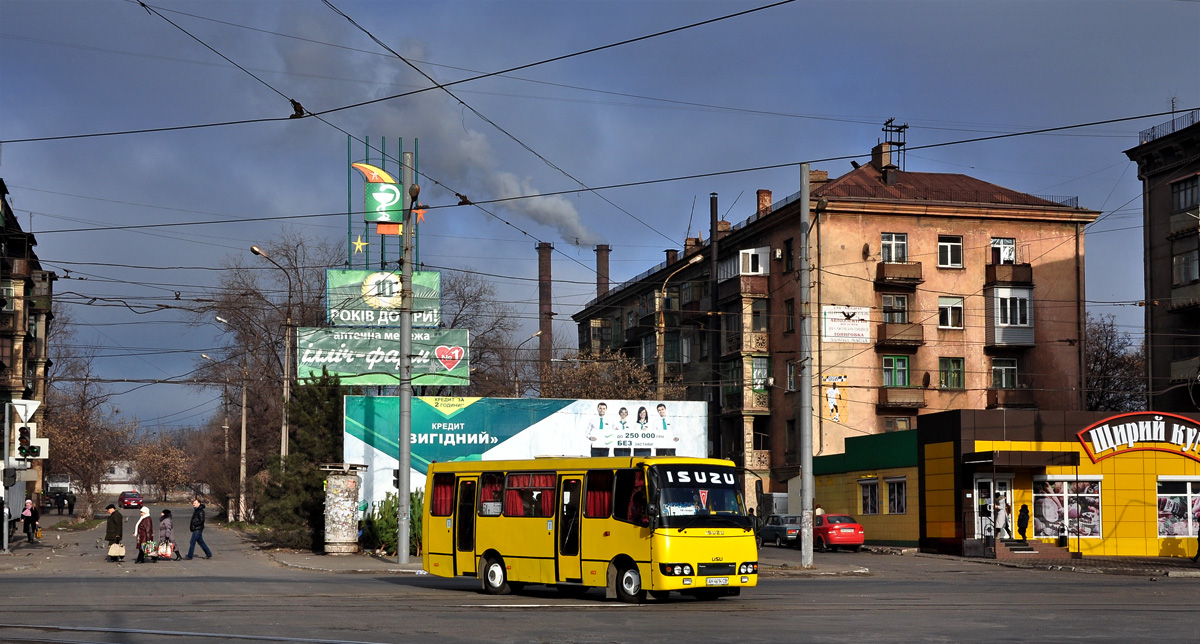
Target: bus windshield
(693, 496)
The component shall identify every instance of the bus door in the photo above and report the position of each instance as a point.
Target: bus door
(464, 527)
(569, 505)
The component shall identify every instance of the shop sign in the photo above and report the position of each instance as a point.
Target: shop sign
(1141, 431)
(367, 356)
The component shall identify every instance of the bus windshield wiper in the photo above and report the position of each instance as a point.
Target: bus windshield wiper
(720, 517)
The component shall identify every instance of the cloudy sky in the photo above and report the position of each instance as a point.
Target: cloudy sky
(698, 91)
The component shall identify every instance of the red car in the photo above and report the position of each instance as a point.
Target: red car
(833, 531)
(130, 499)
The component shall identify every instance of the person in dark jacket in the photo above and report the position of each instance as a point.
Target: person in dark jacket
(114, 528)
(1023, 520)
(197, 528)
(30, 516)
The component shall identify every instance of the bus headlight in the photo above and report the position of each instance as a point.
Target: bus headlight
(676, 569)
(750, 568)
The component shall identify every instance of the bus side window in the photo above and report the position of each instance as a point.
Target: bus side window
(629, 502)
(442, 504)
(490, 494)
(599, 494)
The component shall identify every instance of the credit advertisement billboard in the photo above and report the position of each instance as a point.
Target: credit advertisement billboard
(363, 356)
(488, 429)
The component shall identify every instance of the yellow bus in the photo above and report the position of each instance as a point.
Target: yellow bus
(634, 526)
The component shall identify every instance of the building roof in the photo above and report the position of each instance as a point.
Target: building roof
(866, 182)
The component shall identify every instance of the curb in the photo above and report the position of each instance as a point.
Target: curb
(348, 571)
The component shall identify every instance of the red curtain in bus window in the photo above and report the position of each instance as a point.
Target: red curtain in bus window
(513, 504)
(442, 504)
(489, 494)
(545, 483)
(599, 494)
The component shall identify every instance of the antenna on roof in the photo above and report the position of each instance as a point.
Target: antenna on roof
(894, 136)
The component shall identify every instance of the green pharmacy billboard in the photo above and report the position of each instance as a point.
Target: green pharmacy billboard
(372, 298)
(372, 356)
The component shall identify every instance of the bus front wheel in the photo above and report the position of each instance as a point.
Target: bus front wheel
(629, 584)
(495, 576)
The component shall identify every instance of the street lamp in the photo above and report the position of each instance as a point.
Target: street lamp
(516, 363)
(241, 513)
(660, 339)
(287, 357)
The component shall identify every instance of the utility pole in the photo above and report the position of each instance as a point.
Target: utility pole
(805, 386)
(406, 292)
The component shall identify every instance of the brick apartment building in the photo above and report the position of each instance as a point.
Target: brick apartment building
(1168, 158)
(930, 292)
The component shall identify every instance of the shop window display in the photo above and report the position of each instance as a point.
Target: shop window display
(1178, 508)
(1070, 508)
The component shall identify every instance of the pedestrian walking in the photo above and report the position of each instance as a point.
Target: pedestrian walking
(166, 533)
(1023, 521)
(114, 529)
(144, 531)
(197, 528)
(31, 517)
(60, 502)
(71, 503)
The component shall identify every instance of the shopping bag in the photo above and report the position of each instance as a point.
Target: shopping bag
(166, 549)
(38, 534)
(116, 550)
(150, 548)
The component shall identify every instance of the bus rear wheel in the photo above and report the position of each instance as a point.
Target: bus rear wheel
(495, 576)
(629, 584)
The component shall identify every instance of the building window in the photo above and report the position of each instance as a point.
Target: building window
(950, 373)
(789, 316)
(1186, 193)
(897, 496)
(1004, 373)
(950, 312)
(895, 371)
(1185, 267)
(762, 440)
(870, 496)
(896, 424)
(950, 251)
(747, 262)
(1175, 502)
(1012, 307)
(759, 320)
(793, 375)
(790, 439)
(760, 370)
(9, 293)
(895, 309)
(6, 345)
(789, 262)
(1069, 507)
(1004, 250)
(894, 247)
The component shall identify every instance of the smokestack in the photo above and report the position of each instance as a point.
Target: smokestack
(545, 314)
(764, 202)
(672, 256)
(602, 251)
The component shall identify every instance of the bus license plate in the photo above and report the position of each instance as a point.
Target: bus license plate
(717, 581)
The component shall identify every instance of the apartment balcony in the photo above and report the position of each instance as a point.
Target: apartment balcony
(1185, 370)
(1184, 224)
(695, 312)
(901, 397)
(1020, 398)
(747, 342)
(742, 286)
(1009, 274)
(745, 400)
(1185, 297)
(892, 334)
(756, 459)
(906, 274)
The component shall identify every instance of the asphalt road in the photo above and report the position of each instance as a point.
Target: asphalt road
(69, 593)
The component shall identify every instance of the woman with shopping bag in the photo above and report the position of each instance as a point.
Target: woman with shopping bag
(166, 537)
(31, 517)
(113, 532)
(144, 529)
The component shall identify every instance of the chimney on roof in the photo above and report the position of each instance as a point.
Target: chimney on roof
(691, 245)
(817, 178)
(602, 251)
(723, 228)
(764, 202)
(890, 172)
(881, 155)
(672, 256)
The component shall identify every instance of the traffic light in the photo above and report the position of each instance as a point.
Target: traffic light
(24, 442)
(396, 479)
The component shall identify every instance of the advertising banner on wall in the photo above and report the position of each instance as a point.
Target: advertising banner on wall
(474, 429)
(372, 356)
(846, 324)
(832, 389)
(372, 298)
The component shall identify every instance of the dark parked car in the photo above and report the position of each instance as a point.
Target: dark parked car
(780, 530)
(836, 531)
(130, 499)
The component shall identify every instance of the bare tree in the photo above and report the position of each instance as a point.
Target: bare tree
(1115, 368)
(605, 375)
(469, 302)
(161, 463)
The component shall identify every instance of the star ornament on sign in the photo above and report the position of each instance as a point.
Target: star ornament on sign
(359, 245)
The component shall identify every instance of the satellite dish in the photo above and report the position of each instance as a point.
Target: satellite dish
(925, 380)
(867, 251)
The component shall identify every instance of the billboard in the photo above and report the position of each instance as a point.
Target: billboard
(372, 298)
(362, 356)
(846, 324)
(488, 429)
